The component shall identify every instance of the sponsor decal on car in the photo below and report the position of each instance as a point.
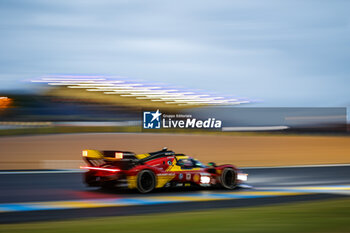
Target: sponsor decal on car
(196, 178)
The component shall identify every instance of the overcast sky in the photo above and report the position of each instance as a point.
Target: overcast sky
(287, 53)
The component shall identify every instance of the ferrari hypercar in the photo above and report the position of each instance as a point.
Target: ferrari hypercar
(160, 169)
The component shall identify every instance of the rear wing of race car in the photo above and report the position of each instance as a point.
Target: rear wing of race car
(98, 158)
(126, 159)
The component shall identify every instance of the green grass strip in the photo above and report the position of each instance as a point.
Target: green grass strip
(318, 216)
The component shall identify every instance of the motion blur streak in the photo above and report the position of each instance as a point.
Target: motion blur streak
(100, 169)
(138, 90)
(255, 128)
(214, 196)
(57, 192)
(5, 102)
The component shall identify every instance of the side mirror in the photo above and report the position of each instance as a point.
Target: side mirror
(212, 164)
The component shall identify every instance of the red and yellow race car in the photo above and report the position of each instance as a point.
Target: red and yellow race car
(160, 169)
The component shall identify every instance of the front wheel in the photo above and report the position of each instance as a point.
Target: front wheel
(146, 181)
(228, 178)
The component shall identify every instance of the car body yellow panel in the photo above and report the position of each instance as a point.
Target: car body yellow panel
(142, 156)
(163, 179)
(132, 182)
(92, 154)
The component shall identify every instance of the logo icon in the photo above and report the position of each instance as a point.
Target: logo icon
(181, 176)
(151, 120)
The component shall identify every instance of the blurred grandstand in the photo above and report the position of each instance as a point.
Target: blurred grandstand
(100, 101)
(107, 103)
(130, 93)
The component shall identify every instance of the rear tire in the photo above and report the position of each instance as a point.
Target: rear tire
(228, 178)
(146, 181)
(90, 179)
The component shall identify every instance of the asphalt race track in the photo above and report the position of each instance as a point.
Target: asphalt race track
(51, 195)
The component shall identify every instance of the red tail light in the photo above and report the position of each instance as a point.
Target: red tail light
(101, 169)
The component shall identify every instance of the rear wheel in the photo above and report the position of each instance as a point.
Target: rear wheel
(90, 179)
(146, 181)
(228, 178)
